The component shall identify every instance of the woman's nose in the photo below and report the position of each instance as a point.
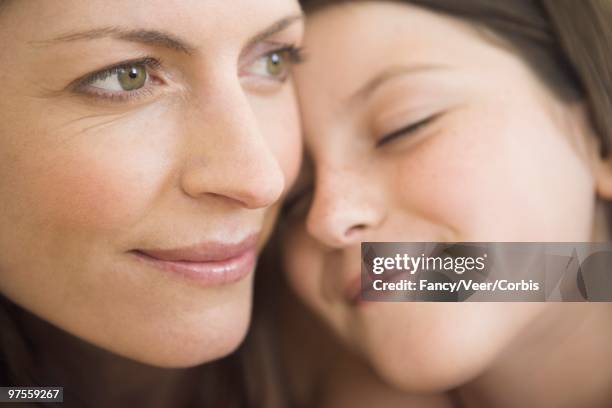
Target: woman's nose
(345, 208)
(243, 168)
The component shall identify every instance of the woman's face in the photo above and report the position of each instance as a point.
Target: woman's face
(143, 148)
(421, 129)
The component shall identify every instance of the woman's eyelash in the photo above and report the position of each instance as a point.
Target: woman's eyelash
(295, 54)
(149, 62)
(406, 130)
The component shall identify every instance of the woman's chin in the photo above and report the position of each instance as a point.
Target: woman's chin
(188, 348)
(181, 342)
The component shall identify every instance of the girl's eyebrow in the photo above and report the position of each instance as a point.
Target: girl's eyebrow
(387, 75)
(157, 37)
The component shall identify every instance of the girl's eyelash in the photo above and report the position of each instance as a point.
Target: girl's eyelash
(406, 130)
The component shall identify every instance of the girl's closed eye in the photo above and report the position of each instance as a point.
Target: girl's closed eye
(408, 130)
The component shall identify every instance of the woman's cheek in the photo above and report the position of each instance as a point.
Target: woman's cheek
(98, 193)
(107, 178)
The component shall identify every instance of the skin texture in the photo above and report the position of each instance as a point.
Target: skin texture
(504, 160)
(203, 154)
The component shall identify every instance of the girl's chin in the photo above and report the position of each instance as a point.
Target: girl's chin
(416, 373)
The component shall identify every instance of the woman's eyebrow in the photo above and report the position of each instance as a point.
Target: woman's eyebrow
(276, 27)
(150, 37)
(157, 37)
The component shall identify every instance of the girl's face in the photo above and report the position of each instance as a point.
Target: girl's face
(143, 148)
(419, 128)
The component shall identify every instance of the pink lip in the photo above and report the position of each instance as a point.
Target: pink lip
(353, 292)
(207, 263)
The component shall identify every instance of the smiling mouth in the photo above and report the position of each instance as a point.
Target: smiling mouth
(207, 264)
(358, 297)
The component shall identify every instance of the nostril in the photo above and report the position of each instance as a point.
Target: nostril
(355, 230)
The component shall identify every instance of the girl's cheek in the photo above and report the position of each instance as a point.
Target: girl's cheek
(478, 180)
(302, 262)
(445, 180)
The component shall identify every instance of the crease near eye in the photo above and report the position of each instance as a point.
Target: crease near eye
(407, 130)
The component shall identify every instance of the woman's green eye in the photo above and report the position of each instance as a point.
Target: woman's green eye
(132, 77)
(127, 78)
(276, 64)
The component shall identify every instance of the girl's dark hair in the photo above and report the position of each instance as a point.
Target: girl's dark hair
(567, 43)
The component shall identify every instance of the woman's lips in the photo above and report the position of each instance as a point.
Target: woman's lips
(207, 263)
